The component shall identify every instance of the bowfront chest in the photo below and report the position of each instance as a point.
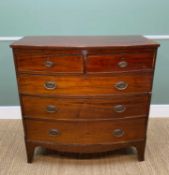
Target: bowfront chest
(85, 94)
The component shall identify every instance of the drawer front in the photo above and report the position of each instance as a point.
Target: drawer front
(86, 132)
(51, 108)
(82, 85)
(132, 61)
(40, 61)
(116, 107)
(90, 108)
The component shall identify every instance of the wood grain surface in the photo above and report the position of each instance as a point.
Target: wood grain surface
(85, 132)
(85, 85)
(83, 41)
(47, 62)
(85, 108)
(111, 63)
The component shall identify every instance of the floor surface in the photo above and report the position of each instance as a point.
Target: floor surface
(13, 156)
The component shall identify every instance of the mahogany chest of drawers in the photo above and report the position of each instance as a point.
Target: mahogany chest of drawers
(85, 94)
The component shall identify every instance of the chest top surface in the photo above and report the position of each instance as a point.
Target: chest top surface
(84, 42)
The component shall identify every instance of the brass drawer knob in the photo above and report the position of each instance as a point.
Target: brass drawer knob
(51, 109)
(122, 64)
(50, 85)
(121, 85)
(49, 64)
(118, 132)
(54, 132)
(119, 108)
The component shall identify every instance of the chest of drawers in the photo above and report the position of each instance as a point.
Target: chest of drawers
(85, 94)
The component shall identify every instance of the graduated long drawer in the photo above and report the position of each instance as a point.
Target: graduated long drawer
(86, 132)
(85, 85)
(114, 107)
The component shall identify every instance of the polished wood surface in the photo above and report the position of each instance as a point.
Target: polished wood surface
(85, 94)
(85, 108)
(85, 132)
(83, 42)
(39, 61)
(113, 62)
(85, 85)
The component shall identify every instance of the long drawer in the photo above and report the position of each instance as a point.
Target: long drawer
(85, 85)
(86, 132)
(85, 108)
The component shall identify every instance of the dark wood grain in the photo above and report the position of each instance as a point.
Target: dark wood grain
(84, 42)
(36, 61)
(136, 61)
(30, 148)
(85, 108)
(84, 85)
(86, 132)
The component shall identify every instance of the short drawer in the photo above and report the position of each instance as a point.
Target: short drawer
(85, 85)
(87, 108)
(44, 61)
(86, 132)
(118, 62)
